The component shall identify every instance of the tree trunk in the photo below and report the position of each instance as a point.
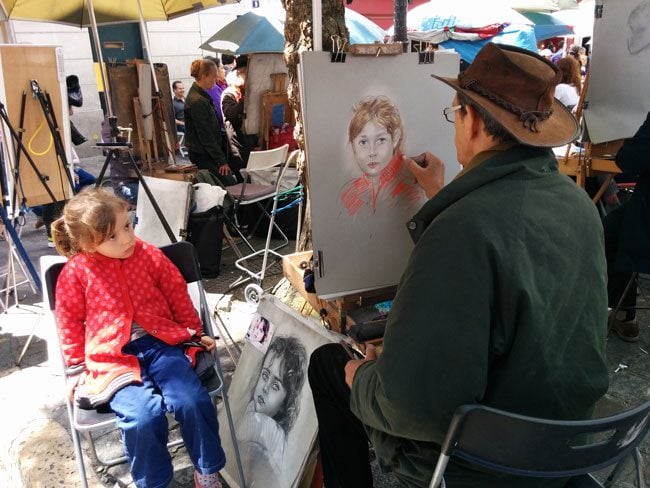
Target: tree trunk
(298, 36)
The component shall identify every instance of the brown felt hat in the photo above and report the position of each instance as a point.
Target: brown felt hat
(516, 88)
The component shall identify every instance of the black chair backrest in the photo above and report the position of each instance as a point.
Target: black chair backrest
(519, 445)
(181, 253)
(51, 277)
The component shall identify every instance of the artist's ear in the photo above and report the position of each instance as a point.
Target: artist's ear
(474, 121)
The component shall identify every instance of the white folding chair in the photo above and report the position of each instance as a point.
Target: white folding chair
(181, 146)
(86, 422)
(255, 194)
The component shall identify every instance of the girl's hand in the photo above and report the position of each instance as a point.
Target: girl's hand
(208, 342)
(73, 382)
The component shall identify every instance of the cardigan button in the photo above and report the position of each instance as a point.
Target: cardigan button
(412, 225)
(155, 331)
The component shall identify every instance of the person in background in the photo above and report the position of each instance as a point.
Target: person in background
(229, 62)
(179, 105)
(216, 92)
(568, 91)
(202, 130)
(627, 233)
(232, 104)
(508, 241)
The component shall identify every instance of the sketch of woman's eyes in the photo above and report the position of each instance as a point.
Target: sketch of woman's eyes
(382, 140)
(265, 374)
(362, 142)
(276, 385)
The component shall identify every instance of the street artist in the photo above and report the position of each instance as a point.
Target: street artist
(503, 301)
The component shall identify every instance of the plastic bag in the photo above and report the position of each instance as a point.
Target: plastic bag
(207, 196)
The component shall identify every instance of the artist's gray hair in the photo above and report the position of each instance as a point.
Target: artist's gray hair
(492, 127)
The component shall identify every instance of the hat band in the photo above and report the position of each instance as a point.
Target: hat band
(530, 118)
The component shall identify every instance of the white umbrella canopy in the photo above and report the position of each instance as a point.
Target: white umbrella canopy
(75, 12)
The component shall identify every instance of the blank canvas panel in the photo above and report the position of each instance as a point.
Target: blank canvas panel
(360, 206)
(20, 64)
(260, 68)
(174, 199)
(618, 95)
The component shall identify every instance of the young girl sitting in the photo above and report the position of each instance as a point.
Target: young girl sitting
(122, 310)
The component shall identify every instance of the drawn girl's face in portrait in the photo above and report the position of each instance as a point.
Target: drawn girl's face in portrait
(269, 392)
(373, 148)
(260, 329)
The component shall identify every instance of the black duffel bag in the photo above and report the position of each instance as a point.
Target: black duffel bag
(205, 231)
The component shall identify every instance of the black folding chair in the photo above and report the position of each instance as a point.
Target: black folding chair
(514, 444)
(86, 422)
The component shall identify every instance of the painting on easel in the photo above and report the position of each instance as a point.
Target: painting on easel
(618, 95)
(272, 406)
(361, 117)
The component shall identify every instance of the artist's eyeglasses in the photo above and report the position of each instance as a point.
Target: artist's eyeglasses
(450, 113)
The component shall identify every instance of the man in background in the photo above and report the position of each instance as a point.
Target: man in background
(179, 105)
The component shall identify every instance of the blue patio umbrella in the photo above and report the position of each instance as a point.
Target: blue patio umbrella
(547, 25)
(253, 33)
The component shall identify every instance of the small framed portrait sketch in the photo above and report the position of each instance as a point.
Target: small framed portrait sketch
(272, 406)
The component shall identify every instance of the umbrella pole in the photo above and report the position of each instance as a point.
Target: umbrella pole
(100, 57)
(147, 57)
(317, 24)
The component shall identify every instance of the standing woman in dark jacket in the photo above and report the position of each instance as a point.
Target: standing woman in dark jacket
(202, 129)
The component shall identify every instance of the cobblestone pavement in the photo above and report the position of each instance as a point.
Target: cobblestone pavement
(35, 437)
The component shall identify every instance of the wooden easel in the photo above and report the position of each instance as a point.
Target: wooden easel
(278, 96)
(594, 160)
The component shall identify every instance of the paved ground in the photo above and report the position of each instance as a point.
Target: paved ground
(35, 442)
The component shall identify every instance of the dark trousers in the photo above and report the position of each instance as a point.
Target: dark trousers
(617, 280)
(341, 435)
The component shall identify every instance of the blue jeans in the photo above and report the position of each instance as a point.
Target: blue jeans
(169, 384)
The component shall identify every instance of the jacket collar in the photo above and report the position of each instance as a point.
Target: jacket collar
(525, 161)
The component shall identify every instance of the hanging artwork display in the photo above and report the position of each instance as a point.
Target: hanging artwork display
(618, 95)
(361, 117)
(272, 406)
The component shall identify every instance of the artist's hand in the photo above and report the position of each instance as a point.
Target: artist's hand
(429, 171)
(208, 342)
(224, 170)
(352, 366)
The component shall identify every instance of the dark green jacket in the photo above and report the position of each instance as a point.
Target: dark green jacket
(503, 302)
(202, 129)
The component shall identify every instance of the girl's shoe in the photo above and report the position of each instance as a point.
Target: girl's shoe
(206, 480)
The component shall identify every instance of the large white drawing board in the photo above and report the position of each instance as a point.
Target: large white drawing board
(367, 250)
(618, 95)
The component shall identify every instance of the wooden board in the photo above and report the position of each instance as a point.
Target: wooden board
(123, 80)
(258, 82)
(19, 64)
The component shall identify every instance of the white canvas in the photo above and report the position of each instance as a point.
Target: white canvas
(368, 247)
(174, 198)
(275, 434)
(618, 94)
